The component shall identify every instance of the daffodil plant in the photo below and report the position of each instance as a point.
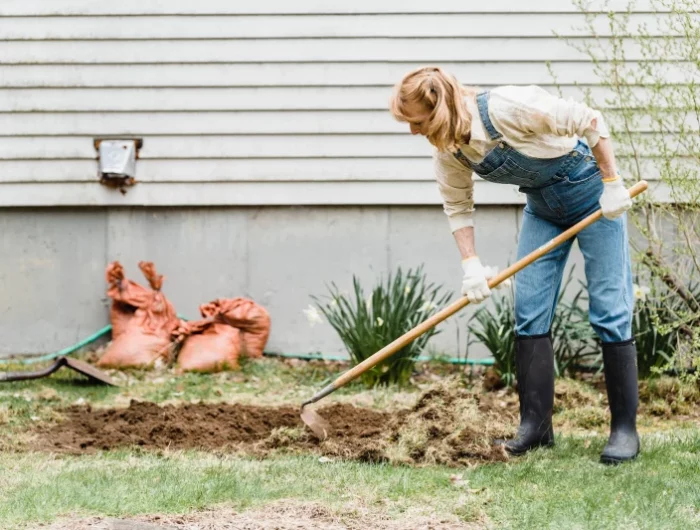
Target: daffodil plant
(367, 323)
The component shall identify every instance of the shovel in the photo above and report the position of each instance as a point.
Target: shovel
(321, 428)
(92, 373)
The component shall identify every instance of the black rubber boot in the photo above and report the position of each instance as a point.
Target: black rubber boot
(534, 363)
(620, 363)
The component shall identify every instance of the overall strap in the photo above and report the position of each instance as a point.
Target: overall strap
(482, 101)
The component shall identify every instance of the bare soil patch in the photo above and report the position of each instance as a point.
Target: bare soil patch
(448, 425)
(284, 515)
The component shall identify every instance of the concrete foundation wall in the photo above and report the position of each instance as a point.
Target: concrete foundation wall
(52, 263)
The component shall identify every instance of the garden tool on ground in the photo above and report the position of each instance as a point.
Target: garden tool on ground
(321, 428)
(92, 373)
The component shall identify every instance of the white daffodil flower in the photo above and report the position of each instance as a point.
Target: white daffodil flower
(313, 315)
(640, 292)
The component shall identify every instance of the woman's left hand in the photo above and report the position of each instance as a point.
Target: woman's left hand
(615, 199)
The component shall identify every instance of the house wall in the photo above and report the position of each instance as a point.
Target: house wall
(270, 163)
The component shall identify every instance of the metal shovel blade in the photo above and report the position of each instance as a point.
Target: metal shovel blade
(313, 420)
(89, 371)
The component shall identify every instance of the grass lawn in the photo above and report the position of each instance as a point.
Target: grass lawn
(564, 487)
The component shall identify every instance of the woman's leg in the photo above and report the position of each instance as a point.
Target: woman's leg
(605, 248)
(536, 291)
(537, 285)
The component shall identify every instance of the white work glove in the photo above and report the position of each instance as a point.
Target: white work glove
(475, 281)
(615, 199)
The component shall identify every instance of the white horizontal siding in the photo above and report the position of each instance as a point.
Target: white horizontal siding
(238, 146)
(177, 123)
(259, 101)
(299, 50)
(244, 194)
(217, 99)
(233, 146)
(94, 124)
(298, 7)
(294, 74)
(257, 193)
(245, 170)
(314, 26)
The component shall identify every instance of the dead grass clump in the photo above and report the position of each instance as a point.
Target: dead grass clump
(587, 417)
(446, 426)
(658, 408)
(369, 451)
(286, 436)
(5, 415)
(48, 394)
(570, 394)
(666, 396)
(669, 389)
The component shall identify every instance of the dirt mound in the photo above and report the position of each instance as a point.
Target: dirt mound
(199, 426)
(448, 425)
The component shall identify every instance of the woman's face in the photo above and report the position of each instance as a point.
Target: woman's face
(419, 116)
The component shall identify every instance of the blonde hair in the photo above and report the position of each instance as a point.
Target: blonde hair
(443, 96)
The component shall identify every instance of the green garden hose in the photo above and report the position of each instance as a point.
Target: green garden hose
(303, 356)
(66, 351)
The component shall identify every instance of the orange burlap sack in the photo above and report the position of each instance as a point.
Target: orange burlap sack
(252, 319)
(141, 338)
(208, 346)
(122, 289)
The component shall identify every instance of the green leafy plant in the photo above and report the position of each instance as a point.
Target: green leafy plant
(495, 329)
(654, 348)
(572, 336)
(367, 324)
(656, 330)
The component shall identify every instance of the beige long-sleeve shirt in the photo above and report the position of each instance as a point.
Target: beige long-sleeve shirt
(532, 121)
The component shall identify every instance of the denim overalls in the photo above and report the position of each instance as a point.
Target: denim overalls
(560, 192)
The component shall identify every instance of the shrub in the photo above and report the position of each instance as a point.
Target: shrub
(367, 324)
(653, 111)
(659, 330)
(655, 346)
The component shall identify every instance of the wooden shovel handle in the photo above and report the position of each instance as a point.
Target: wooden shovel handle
(391, 348)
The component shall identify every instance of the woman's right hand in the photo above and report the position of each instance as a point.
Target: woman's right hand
(615, 199)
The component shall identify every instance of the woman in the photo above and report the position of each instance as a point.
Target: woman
(527, 137)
